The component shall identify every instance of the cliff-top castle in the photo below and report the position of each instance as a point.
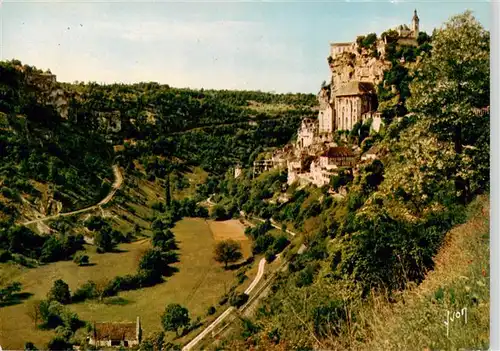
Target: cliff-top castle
(348, 98)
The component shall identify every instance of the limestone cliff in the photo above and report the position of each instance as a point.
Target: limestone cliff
(358, 66)
(49, 91)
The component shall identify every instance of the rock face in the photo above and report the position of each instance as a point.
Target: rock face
(357, 66)
(50, 92)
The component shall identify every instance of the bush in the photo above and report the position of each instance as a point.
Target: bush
(5, 256)
(238, 300)
(270, 256)
(86, 291)
(280, 243)
(81, 260)
(211, 310)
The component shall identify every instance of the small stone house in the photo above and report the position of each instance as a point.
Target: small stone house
(116, 334)
(338, 156)
(306, 133)
(370, 155)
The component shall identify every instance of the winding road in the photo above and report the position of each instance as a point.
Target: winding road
(116, 185)
(227, 312)
(259, 275)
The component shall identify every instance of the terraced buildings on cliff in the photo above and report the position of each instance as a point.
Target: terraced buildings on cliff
(350, 97)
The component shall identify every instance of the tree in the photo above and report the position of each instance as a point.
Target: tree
(227, 251)
(218, 212)
(164, 240)
(34, 311)
(7, 293)
(29, 346)
(59, 292)
(175, 317)
(103, 240)
(168, 194)
(101, 287)
(59, 344)
(157, 261)
(81, 260)
(451, 85)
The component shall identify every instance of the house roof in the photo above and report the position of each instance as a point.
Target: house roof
(342, 44)
(115, 331)
(355, 88)
(338, 151)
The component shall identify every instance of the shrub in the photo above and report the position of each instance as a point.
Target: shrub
(211, 310)
(238, 300)
(81, 260)
(270, 256)
(59, 292)
(5, 256)
(86, 291)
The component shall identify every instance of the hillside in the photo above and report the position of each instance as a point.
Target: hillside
(63, 146)
(374, 230)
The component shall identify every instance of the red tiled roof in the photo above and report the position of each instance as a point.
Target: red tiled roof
(338, 151)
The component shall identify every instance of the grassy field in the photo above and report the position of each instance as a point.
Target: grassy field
(198, 285)
(17, 327)
(231, 229)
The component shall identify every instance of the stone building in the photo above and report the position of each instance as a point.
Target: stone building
(318, 170)
(405, 32)
(116, 334)
(338, 157)
(337, 49)
(352, 101)
(325, 116)
(307, 131)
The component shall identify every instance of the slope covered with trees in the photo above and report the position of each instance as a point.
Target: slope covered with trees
(382, 238)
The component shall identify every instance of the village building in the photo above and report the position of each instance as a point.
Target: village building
(370, 155)
(307, 131)
(352, 101)
(325, 117)
(321, 168)
(349, 98)
(116, 334)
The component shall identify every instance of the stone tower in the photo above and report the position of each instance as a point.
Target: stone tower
(415, 24)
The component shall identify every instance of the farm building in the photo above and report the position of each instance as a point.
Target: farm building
(116, 334)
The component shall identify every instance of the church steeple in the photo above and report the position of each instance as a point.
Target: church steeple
(415, 24)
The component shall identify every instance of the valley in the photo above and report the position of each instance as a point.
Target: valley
(147, 217)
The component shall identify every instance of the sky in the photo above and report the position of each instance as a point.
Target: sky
(279, 46)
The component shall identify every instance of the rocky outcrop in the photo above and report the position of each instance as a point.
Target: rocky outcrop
(355, 66)
(49, 91)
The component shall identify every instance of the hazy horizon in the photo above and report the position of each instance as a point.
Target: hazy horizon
(276, 46)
